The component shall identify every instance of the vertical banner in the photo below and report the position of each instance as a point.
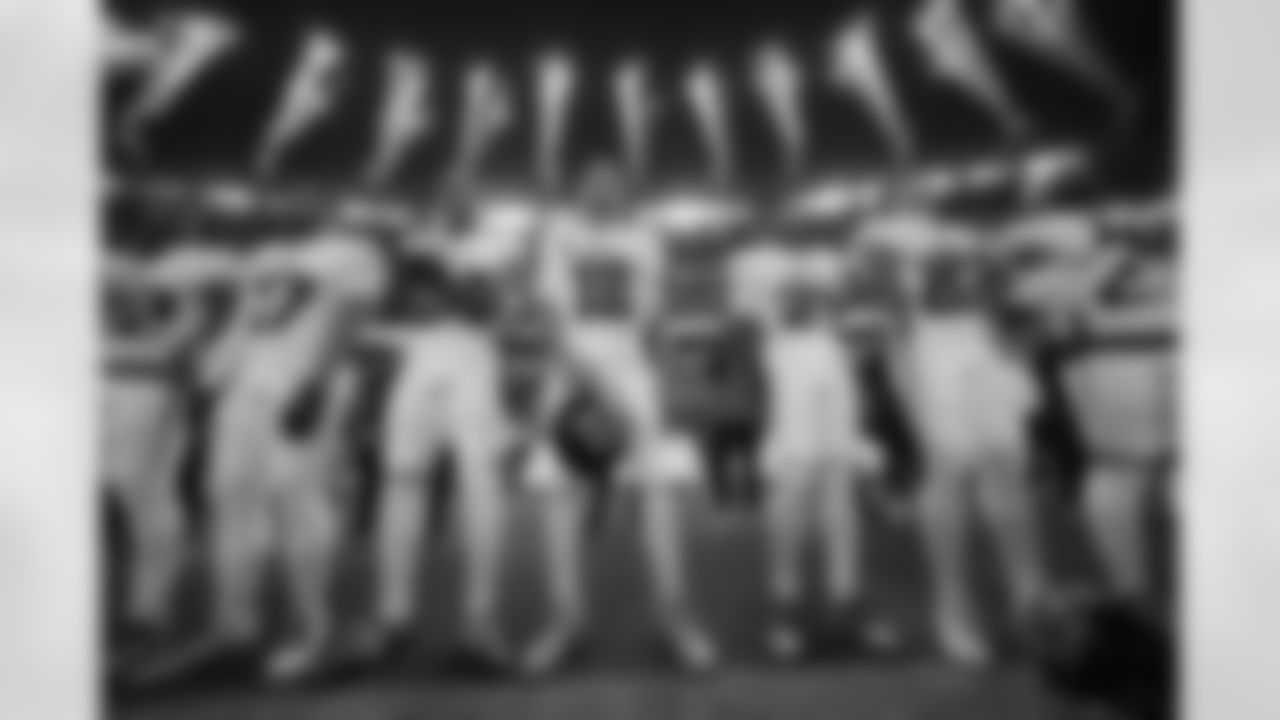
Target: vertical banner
(1055, 30)
(636, 113)
(777, 80)
(556, 80)
(187, 46)
(405, 116)
(127, 49)
(309, 94)
(705, 92)
(486, 112)
(859, 68)
(954, 51)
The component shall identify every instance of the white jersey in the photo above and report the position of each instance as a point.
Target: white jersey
(204, 277)
(602, 273)
(293, 298)
(789, 289)
(760, 273)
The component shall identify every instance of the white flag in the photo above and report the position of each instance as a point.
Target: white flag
(187, 45)
(858, 66)
(954, 50)
(309, 95)
(705, 93)
(636, 113)
(405, 117)
(556, 81)
(1055, 30)
(486, 112)
(128, 49)
(777, 80)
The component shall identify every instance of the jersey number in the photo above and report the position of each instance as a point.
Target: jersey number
(606, 288)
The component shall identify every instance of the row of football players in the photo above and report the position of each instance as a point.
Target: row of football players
(270, 334)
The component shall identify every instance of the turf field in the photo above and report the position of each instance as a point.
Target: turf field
(625, 679)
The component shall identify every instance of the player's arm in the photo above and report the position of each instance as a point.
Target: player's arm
(223, 353)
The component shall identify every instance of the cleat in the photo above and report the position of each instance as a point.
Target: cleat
(479, 660)
(963, 647)
(300, 664)
(380, 646)
(212, 661)
(785, 643)
(554, 648)
(786, 640)
(693, 649)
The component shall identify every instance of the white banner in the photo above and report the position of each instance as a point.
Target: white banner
(955, 53)
(1055, 30)
(637, 111)
(126, 48)
(705, 92)
(486, 113)
(186, 46)
(406, 114)
(309, 95)
(556, 81)
(858, 66)
(778, 81)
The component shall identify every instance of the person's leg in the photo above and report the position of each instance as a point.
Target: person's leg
(1005, 495)
(241, 519)
(482, 498)
(945, 525)
(308, 536)
(411, 446)
(665, 471)
(1116, 506)
(1006, 499)
(786, 514)
(311, 475)
(155, 520)
(561, 509)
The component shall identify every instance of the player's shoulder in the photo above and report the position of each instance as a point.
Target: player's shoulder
(1053, 233)
(195, 262)
(904, 234)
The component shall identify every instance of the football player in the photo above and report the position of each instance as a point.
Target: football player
(599, 274)
(709, 355)
(791, 287)
(970, 397)
(447, 398)
(153, 317)
(282, 389)
(1123, 392)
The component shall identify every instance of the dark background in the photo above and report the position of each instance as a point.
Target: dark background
(217, 125)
